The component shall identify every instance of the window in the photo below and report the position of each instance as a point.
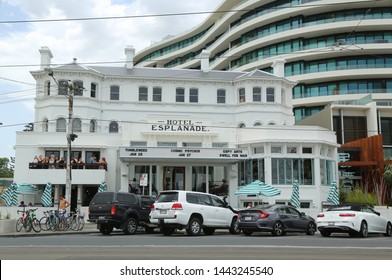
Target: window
(220, 145)
(257, 124)
(93, 90)
(63, 87)
(77, 125)
(78, 88)
(47, 88)
(270, 94)
(45, 125)
(61, 125)
(143, 93)
(157, 94)
(221, 96)
(113, 127)
(241, 125)
(276, 150)
(167, 144)
(114, 93)
(291, 150)
(180, 95)
(138, 144)
(256, 94)
(241, 95)
(258, 150)
(93, 126)
(191, 144)
(307, 150)
(193, 95)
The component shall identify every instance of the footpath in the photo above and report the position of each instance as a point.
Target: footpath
(88, 228)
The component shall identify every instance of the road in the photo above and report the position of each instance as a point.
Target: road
(222, 246)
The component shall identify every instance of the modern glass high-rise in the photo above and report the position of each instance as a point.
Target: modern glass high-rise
(339, 52)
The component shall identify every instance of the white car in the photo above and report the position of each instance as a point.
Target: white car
(354, 219)
(193, 211)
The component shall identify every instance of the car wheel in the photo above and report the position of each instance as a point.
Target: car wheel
(234, 227)
(130, 226)
(389, 230)
(194, 226)
(247, 232)
(106, 229)
(208, 231)
(325, 233)
(167, 230)
(311, 229)
(363, 232)
(277, 229)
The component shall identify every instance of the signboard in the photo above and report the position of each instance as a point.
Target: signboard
(144, 180)
(183, 152)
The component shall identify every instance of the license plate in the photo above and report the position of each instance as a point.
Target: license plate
(101, 217)
(162, 211)
(331, 223)
(248, 218)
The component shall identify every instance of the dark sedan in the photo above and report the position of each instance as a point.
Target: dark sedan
(277, 219)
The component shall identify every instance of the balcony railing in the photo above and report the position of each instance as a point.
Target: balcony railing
(64, 166)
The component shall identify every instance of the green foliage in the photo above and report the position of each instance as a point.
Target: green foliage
(358, 196)
(6, 168)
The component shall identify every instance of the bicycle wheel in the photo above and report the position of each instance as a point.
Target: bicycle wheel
(43, 223)
(80, 223)
(35, 225)
(19, 225)
(27, 224)
(74, 223)
(54, 223)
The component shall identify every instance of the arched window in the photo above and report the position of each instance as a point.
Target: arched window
(77, 125)
(241, 125)
(257, 94)
(241, 95)
(257, 124)
(93, 90)
(45, 125)
(93, 126)
(180, 95)
(61, 125)
(113, 127)
(63, 87)
(78, 88)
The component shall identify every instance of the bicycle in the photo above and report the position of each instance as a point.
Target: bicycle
(50, 221)
(28, 221)
(76, 220)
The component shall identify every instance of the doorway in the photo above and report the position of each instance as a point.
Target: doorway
(174, 178)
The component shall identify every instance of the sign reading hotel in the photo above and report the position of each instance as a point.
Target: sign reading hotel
(183, 152)
(179, 125)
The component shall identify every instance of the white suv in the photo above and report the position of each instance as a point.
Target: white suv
(192, 211)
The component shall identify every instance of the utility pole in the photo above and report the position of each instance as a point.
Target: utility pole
(70, 135)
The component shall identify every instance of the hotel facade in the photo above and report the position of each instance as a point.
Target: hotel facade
(174, 129)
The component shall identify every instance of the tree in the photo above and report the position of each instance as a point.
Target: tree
(29, 127)
(7, 167)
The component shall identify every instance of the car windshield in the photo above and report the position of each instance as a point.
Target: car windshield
(168, 197)
(345, 208)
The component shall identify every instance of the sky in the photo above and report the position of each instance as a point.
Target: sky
(89, 41)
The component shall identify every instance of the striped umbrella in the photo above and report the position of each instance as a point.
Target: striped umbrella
(46, 198)
(333, 195)
(295, 195)
(102, 187)
(258, 188)
(10, 196)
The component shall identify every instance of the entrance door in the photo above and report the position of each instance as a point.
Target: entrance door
(174, 178)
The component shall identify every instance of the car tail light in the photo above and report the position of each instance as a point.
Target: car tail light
(113, 210)
(262, 215)
(152, 207)
(176, 206)
(346, 215)
(320, 216)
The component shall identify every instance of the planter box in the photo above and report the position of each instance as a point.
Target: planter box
(7, 226)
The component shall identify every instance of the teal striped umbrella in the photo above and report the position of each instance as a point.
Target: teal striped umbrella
(333, 195)
(46, 198)
(102, 187)
(295, 195)
(10, 196)
(27, 189)
(258, 188)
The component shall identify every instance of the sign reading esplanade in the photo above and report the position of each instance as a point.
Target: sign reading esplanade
(178, 125)
(181, 152)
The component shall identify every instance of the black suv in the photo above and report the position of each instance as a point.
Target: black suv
(120, 210)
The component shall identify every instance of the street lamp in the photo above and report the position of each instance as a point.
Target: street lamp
(70, 135)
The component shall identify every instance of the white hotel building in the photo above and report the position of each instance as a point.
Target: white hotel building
(184, 129)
